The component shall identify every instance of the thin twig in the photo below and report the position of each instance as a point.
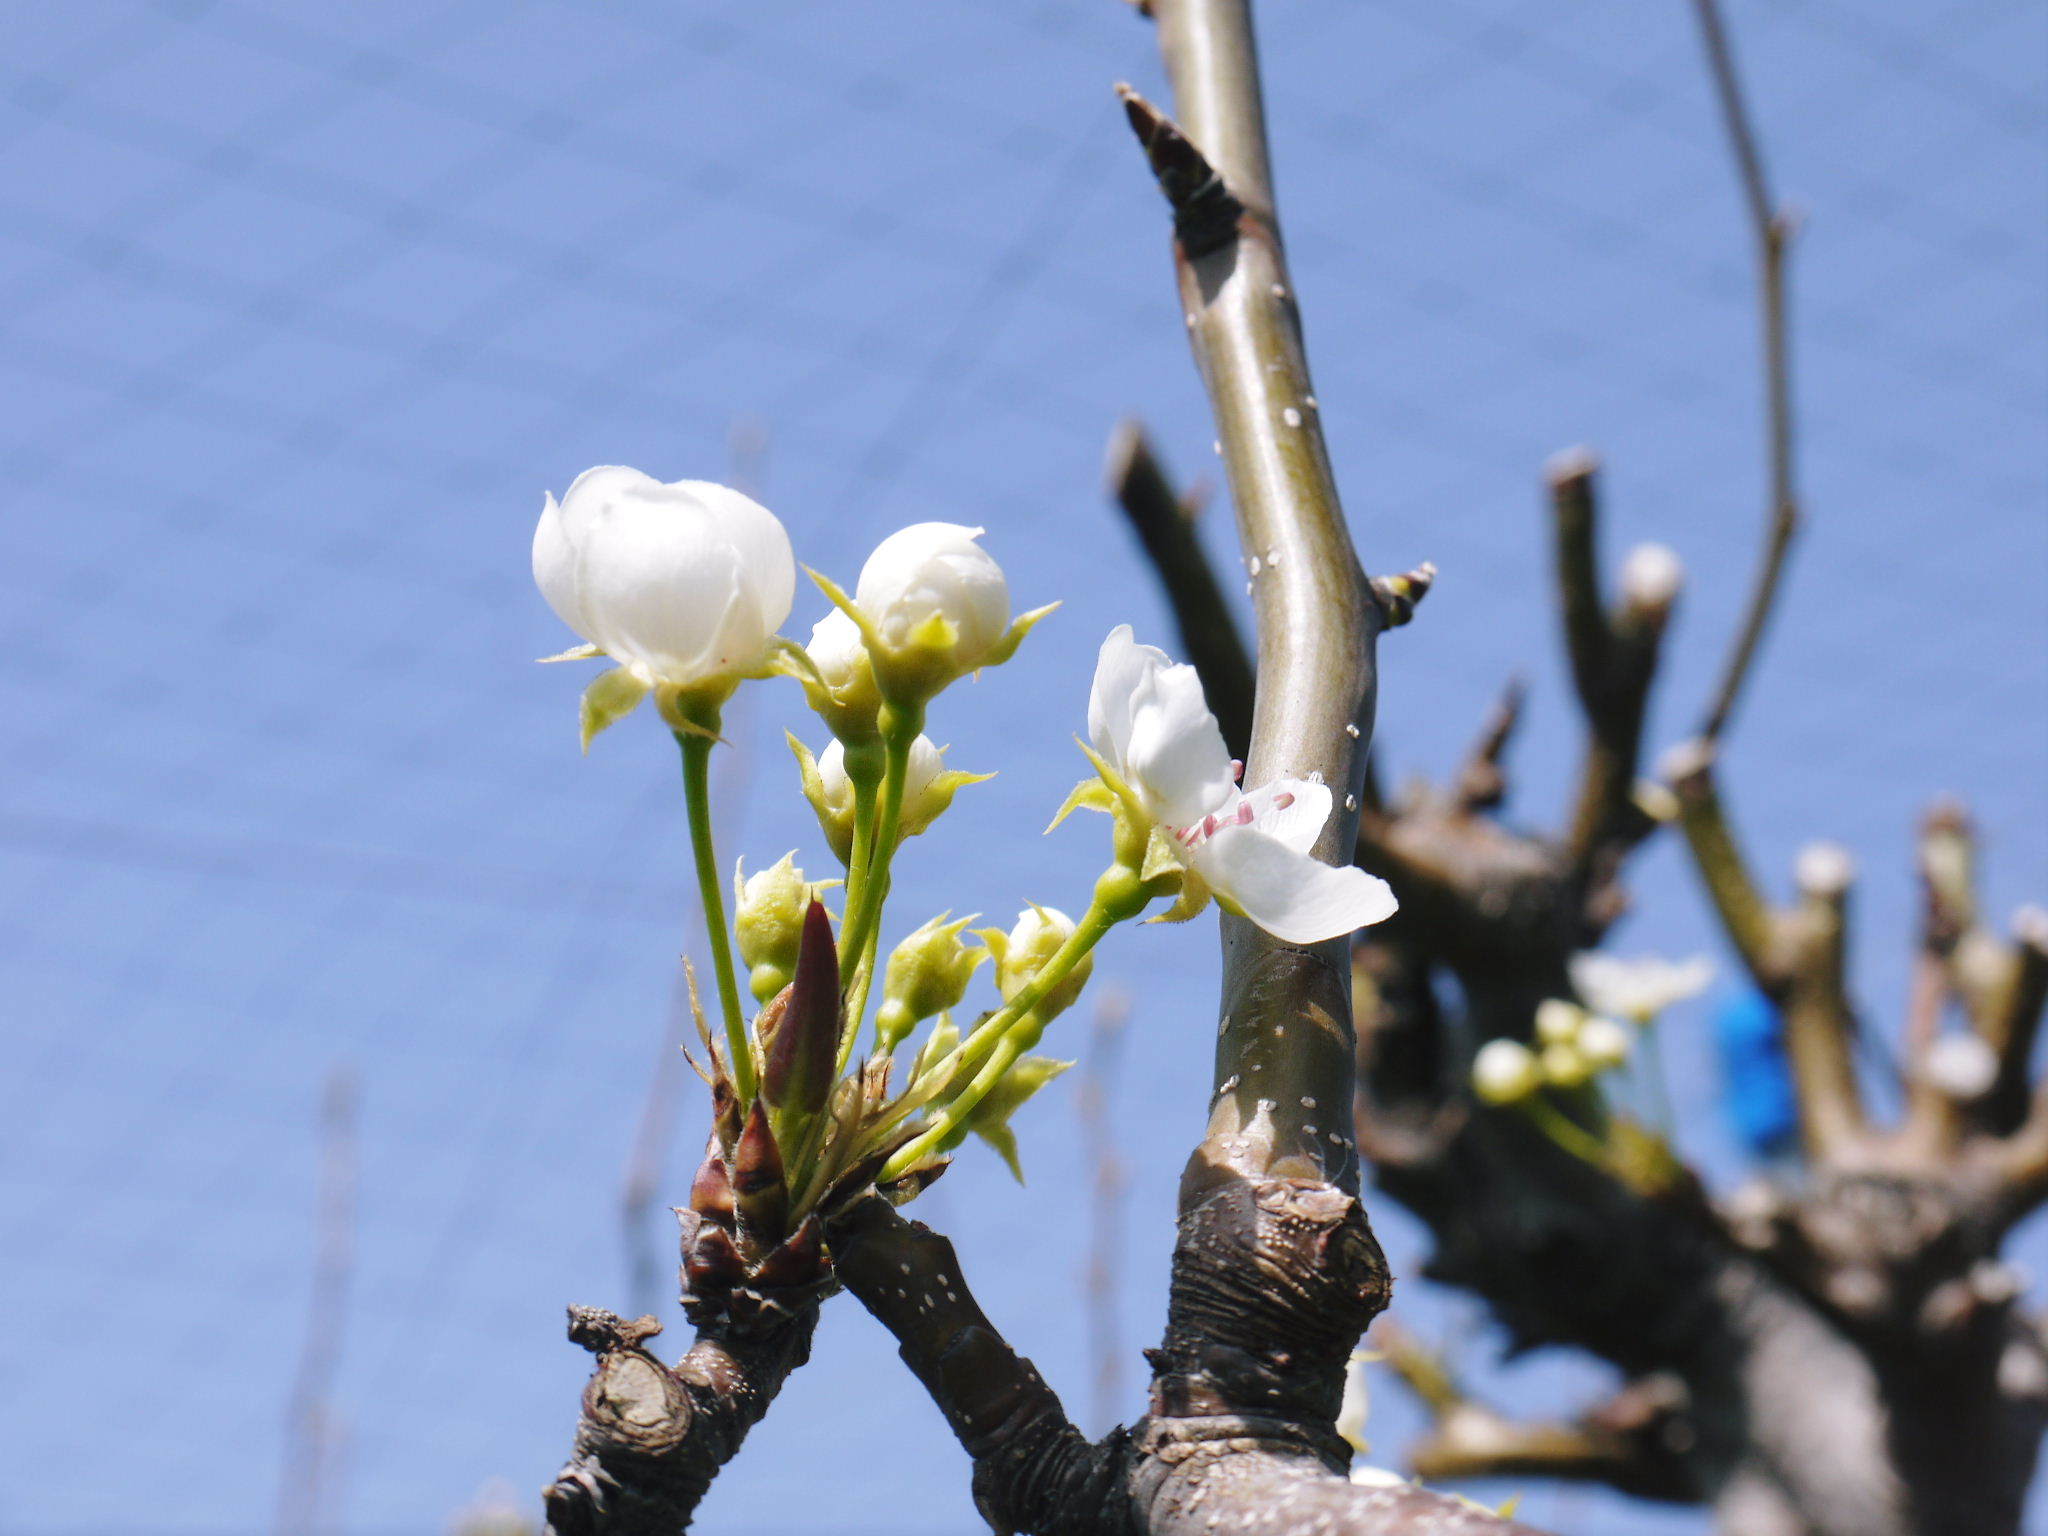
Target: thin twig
(1772, 229)
(306, 1495)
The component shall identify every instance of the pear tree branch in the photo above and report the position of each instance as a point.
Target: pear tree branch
(1772, 228)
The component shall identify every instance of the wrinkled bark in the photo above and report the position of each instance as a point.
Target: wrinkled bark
(652, 1437)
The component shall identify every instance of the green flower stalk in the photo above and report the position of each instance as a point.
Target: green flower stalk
(699, 735)
(1120, 893)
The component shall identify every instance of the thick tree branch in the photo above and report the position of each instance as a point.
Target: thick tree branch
(652, 1437)
(1033, 1470)
(1276, 1271)
(1634, 1441)
(1165, 525)
(1820, 1028)
(1746, 917)
(1613, 661)
(2013, 1020)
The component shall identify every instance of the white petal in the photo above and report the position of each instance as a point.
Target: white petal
(924, 765)
(757, 534)
(555, 570)
(836, 648)
(932, 568)
(590, 492)
(838, 788)
(1298, 822)
(662, 585)
(1297, 899)
(1176, 758)
(1120, 667)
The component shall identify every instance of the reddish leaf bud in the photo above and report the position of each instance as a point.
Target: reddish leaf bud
(803, 1055)
(761, 1198)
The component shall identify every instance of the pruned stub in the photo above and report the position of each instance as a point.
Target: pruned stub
(1273, 1281)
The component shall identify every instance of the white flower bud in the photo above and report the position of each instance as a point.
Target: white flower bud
(1505, 1072)
(1604, 1043)
(683, 585)
(924, 766)
(837, 650)
(1565, 1066)
(1022, 953)
(768, 922)
(927, 974)
(931, 586)
(1558, 1021)
(850, 701)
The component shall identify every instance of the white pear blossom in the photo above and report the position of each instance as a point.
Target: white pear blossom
(1558, 1022)
(932, 581)
(1151, 727)
(682, 585)
(1505, 1072)
(1604, 1044)
(1639, 989)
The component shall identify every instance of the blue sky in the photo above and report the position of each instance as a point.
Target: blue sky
(301, 309)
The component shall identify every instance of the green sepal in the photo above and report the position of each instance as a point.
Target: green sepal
(1013, 637)
(838, 832)
(938, 1045)
(935, 633)
(788, 659)
(990, 1119)
(1162, 855)
(610, 697)
(870, 636)
(936, 799)
(1088, 795)
(1192, 901)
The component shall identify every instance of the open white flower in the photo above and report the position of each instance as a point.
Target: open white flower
(683, 585)
(1639, 989)
(1151, 728)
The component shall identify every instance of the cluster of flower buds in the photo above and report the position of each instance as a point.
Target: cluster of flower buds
(684, 588)
(1573, 1047)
